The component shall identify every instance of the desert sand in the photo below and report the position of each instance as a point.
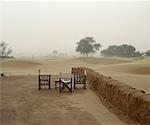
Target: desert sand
(23, 104)
(134, 72)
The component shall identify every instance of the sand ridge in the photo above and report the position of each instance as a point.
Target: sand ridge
(134, 72)
(16, 63)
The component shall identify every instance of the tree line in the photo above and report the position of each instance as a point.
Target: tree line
(88, 46)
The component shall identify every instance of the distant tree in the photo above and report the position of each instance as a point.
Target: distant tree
(55, 53)
(4, 50)
(137, 54)
(87, 45)
(147, 53)
(126, 50)
(110, 51)
(121, 51)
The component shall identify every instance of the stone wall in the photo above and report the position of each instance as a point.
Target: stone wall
(132, 102)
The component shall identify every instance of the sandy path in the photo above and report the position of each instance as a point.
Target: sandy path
(23, 104)
(90, 102)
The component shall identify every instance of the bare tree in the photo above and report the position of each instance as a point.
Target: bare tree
(4, 50)
(55, 53)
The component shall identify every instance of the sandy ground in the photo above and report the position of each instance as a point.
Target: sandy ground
(22, 104)
(134, 72)
(53, 66)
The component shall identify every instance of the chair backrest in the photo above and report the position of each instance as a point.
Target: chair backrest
(79, 76)
(65, 76)
(78, 71)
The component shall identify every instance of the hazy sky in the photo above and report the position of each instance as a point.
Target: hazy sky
(41, 27)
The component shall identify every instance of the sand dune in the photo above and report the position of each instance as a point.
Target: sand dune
(22, 63)
(22, 98)
(102, 61)
(136, 67)
(134, 72)
(54, 65)
(141, 70)
(16, 63)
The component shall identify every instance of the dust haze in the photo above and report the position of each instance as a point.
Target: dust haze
(118, 87)
(38, 28)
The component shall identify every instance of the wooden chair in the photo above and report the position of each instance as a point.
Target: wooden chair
(57, 82)
(79, 77)
(44, 80)
(65, 81)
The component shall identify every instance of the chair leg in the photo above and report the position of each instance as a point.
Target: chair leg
(74, 85)
(55, 85)
(60, 87)
(49, 86)
(74, 82)
(49, 82)
(84, 85)
(39, 85)
(71, 84)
